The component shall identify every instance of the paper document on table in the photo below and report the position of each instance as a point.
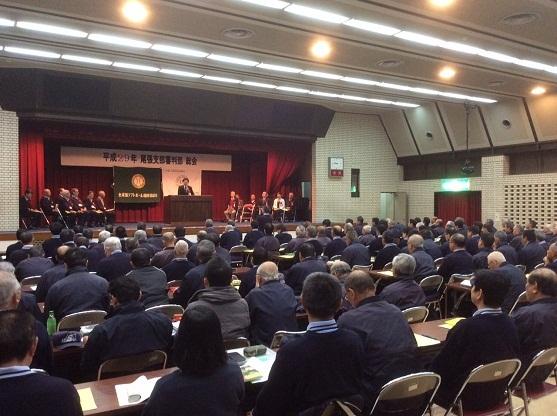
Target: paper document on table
(450, 323)
(136, 392)
(424, 341)
(259, 364)
(87, 400)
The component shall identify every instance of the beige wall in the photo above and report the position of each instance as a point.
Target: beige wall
(9, 171)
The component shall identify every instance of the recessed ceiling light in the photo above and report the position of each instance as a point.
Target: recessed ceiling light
(318, 74)
(179, 51)
(86, 60)
(539, 90)
(31, 52)
(419, 38)
(54, 30)
(372, 27)
(518, 19)
(280, 68)
(136, 67)
(441, 3)
(238, 33)
(293, 89)
(273, 4)
(222, 79)
(389, 63)
(120, 41)
(258, 84)
(180, 73)
(6, 22)
(232, 60)
(321, 49)
(135, 11)
(314, 13)
(447, 73)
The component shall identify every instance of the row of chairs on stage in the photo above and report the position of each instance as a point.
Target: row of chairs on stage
(249, 212)
(90, 218)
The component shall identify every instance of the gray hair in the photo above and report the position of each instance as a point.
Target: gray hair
(268, 271)
(112, 243)
(103, 235)
(140, 235)
(205, 250)
(300, 231)
(6, 266)
(340, 268)
(416, 241)
(8, 287)
(181, 249)
(311, 231)
(208, 222)
(228, 228)
(404, 264)
(366, 229)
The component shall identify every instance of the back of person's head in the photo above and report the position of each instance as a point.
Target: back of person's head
(340, 269)
(388, 237)
(75, 257)
(300, 231)
(501, 236)
(404, 264)
(88, 233)
(321, 295)
(494, 287)
(208, 223)
(82, 241)
(205, 250)
(168, 238)
(546, 281)
(214, 238)
(157, 229)
(103, 235)
(18, 233)
(218, 272)
(124, 289)
(268, 271)
(109, 228)
(529, 235)
(337, 231)
(180, 231)
(254, 225)
(120, 232)
(360, 282)
(487, 240)
(199, 348)
(259, 255)
(280, 227)
(228, 228)
(458, 240)
(306, 250)
(181, 249)
(26, 237)
(311, 231)
(112, 243)
(351, 235)
(6, 266)
(131, 244)
(366, 229)
(56, 227)
(61, 252)
(17, 336)
(141, 226)
(10, 290)
(326, 222)
(349, 221)
(426, 221)
(459, 222)
(140, 258)
(426, 234)
(473, 229)
(78, 229)
(416, 241)
(140, 236)
(268, 228)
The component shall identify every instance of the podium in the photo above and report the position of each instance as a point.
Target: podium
(181, 209)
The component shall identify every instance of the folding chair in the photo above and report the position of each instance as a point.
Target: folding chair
(408, 395)
(79, 319)
(521, 267)
(431, 286)
(494, 381)
(240, 342)
(31, 280)
(539, 266)
(169, 310)
(388, 267)
(542, 365)
(335, 258)
(438, 262)
(365, 268)
(281, 337)
(520, 299)
(283, 247)
(247, 213)
(416, 314)
(350, 406)
(152, 360)
(236, 251)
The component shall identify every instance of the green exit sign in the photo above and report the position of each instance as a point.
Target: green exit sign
(455, 184)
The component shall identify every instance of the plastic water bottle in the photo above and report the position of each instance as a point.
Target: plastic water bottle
(51, 323)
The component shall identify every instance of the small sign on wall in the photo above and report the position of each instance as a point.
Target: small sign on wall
(336, 167)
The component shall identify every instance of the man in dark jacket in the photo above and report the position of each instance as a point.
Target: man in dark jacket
(388, 252)
(223, 299)
(249, 278)
(252, 236)
(150, 279)
(127, 329)
(35, 265)
(389, 349)
(281, 235)
(193, 280)
(488, 336)
(156, 238)
(269, 242)
(51, 276)
(78, 291)
(430, 247)
(424, 262)
(473, 239)
(180, 265)
(404, 292)
(17, 245)
(459, 261)
(355, 253)
(165, 256)
(514, 275)
(230, 238)
(532, 253)
(485, 246)
(50, 245)
(308, 264)
(116, 263)
(337, 245)
(501, 245)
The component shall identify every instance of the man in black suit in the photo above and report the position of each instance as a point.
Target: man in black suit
(473, 239)
(282, 235)
(108, 213)
(35, 265)
(291, 206)
(497, 262)
(532, 253)
(355, 253)
(485, 247)
(179, 265)
(50, 245)
(430, 247)
(231, 206)
(337, 245)
(259, 257)
(16, 256)
(79, 207)
(15, 246)
(307, 265)
(47, 205)
(94, 215)
(264, 203)
(27, 213)
(269, 242)
(488, 336)
(156, 238)
(193, 280)
(116, 263)
(388, 252)
(501, 245)
(52, 275)
(459, 261)
(230, 238)
(252, 236)
(185, 188)
(424, 262)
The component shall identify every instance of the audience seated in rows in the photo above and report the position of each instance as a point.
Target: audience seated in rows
(151, 280)
(403, 292)
(307, 264)
(355, 253)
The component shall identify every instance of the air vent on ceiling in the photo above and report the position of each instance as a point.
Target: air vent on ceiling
(238, 33)
(519, 19)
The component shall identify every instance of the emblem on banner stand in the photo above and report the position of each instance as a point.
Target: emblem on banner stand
(138, 181)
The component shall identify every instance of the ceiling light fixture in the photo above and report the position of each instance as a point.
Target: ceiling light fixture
(496, 56)
(31, 52)
(447, 73)
(86, 60)
(179, 51)
(314, 13)
(232, 60)
(280, 68)
(372, 27)
(136, 67)
(321, 49)
(53, 30)
(361, 81)
(539, 90)
(258, 84)
(6, 22)
(377, 101)
(135, 11)
(273, 4)
(419, 38)
(352, 97)
(119, 41)
(393, 86)
(178, 73)
(293, 89)
(318, 74)
(324, 94)
(222, 79)
(402, 104)
(461, 47)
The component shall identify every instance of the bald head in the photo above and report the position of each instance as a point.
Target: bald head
(61, 252)
(266, 271)
(359, 285)
(495, 259)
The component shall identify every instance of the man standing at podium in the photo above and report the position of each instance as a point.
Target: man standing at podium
(185, 188)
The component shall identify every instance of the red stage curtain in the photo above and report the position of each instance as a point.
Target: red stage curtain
(31, 164)
(281, 165)
(468, 205)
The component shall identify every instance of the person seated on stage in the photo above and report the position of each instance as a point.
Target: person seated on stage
(35, 265)
(223, 299)
(485, 247)
(180, 265)
(537, 322)
(108, 213)
(66, 208)
(51, 244)
(389, 250)
(116, 263)
(27, 213)
(150, 279)
(79, 207)
(532, 253)
(230, 237)
(296, 242)
(488, 336)
(424, 262)
(459, 261)
(355, 253)
(272, 305)
(404, 292)
(11, 299)
(206, 382)
(47, 205)
(231, 207)
(24, 392)
(269, 242)
(22, 253)
(193, 280)
(94, 215)
(78, 291)
(263, 203)
(308, 264)
(278, 207)
(52, 275)
(326, 362)
(126, 330)
(252, 236)
(185, 188)
(389, 349)
(258, 257)
(282, 235)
